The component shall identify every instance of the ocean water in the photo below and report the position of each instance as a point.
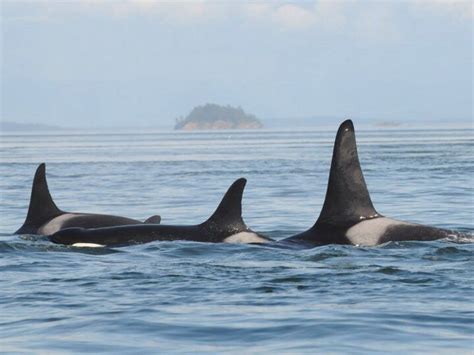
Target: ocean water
(167, 297)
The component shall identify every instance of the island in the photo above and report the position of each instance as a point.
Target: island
(212, 116)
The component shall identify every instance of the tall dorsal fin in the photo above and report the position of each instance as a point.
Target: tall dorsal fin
(347, 198)
(42, 207)
(228, 214)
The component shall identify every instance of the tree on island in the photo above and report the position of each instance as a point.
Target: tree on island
(212, 116)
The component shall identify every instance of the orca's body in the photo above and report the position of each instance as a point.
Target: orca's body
(44, 217)
(225, 225)
(348, 215)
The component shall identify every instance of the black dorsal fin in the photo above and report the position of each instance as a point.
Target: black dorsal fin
(156, 219)
(347, 198)
(228, 214)
(42, 207)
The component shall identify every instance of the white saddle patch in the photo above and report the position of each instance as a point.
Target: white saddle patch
(55, 224)
(88, 245)
(245, 237)
(369, 232)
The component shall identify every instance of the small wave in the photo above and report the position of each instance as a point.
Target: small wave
(326, 252)
(325, 255)
(289, 279)
(449, 253)
(461, 238)
(417, 280)
(389, 270)
(33, 237)
(452, 251)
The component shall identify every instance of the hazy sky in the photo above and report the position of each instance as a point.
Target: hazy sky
(125, 63)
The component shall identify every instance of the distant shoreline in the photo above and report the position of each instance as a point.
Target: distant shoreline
(297, 124)
(23, 127)
(298, 129)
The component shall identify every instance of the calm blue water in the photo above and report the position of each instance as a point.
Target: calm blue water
(183, 296)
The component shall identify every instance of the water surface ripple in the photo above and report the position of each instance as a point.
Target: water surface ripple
(182, 296)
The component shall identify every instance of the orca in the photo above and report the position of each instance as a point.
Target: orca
(44, 217)
(225, 225)
(348, 215)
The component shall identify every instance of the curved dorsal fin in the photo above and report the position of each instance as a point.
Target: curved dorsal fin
(347, 199)
(228, 214)
(42, 207)
(156, 219)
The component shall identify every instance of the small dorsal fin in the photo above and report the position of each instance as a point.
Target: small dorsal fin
(156, 219)
(347, 198)
(42, 207)
(229, 212)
